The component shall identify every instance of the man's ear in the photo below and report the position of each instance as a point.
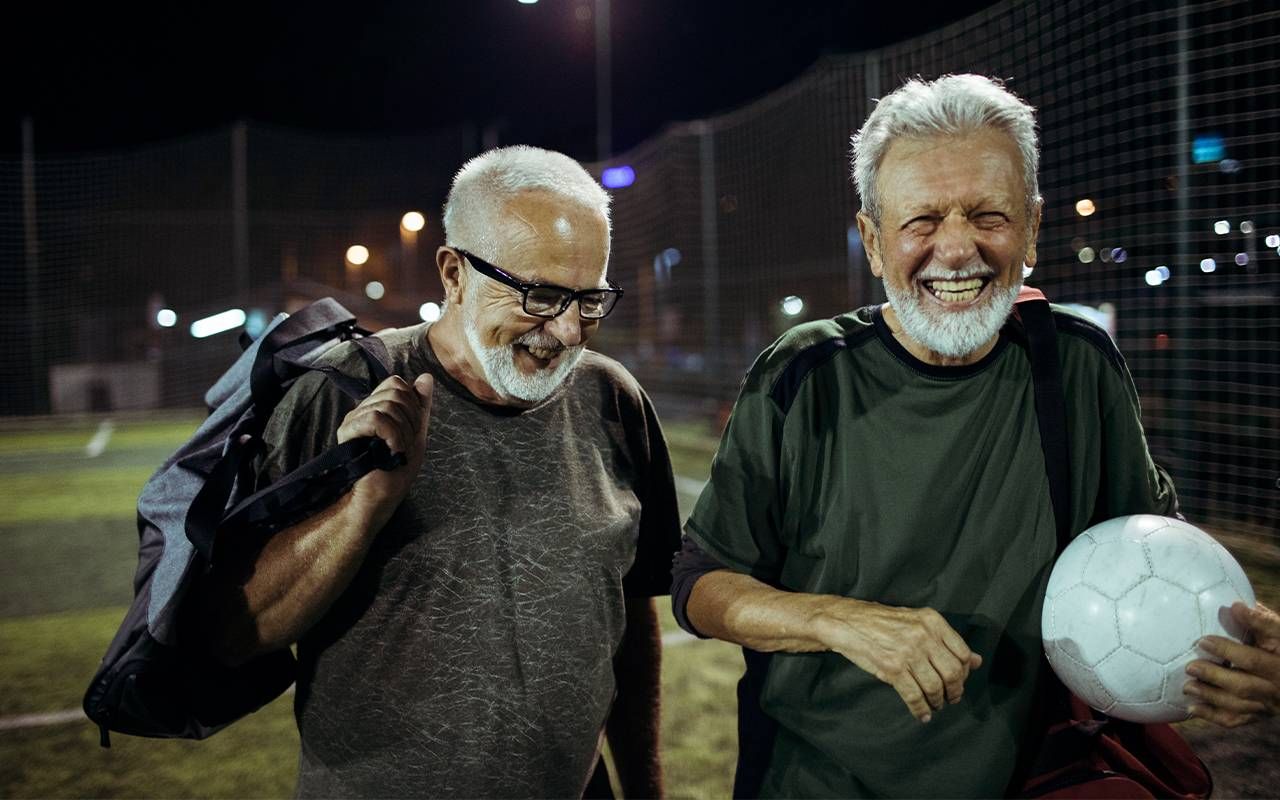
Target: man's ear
(1030, 258)
(871, 242)
(450, 267)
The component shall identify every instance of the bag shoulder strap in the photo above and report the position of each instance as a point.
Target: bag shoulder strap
(1051, 408)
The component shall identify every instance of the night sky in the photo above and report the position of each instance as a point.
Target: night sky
(102, 76)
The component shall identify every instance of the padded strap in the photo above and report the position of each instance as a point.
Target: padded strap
(1051, 409)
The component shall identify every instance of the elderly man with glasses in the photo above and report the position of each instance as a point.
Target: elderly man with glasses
(471, 623)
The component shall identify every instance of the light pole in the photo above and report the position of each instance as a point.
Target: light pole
(604, 84)
(410, 224)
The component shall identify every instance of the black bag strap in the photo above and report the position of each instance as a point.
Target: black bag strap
(1051, 408)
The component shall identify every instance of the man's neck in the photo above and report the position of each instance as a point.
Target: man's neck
(930, 356)
(449, 343)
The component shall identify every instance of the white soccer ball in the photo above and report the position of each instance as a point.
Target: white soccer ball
(1126, 602)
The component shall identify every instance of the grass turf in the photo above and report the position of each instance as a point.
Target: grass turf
(69, 549)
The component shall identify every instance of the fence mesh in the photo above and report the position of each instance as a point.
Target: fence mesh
(1163, 115)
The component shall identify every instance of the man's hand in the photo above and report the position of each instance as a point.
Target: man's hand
(399, 414)
(1249, 688)
(913, 650)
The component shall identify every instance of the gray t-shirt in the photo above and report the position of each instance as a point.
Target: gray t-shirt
(472, 653)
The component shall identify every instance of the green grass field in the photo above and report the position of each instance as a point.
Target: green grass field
(68, 547)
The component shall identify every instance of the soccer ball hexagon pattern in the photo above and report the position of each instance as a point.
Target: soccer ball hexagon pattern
(1125, 605)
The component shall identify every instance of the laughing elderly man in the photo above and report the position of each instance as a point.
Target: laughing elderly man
(877, 531)
(470, 624)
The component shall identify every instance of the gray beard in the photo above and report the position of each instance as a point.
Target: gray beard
(503, 374)
(952, 334)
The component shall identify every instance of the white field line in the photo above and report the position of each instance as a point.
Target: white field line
(686, 486)
(98, 443)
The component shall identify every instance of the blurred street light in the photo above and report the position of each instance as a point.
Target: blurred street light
(357, 254)
(413, 221)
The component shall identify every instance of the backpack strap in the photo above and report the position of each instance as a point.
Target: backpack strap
(1051, 409)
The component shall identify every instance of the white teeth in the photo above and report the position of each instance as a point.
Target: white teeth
(955, 291)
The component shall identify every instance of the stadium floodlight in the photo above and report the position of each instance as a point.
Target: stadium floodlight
(618, 177)
(1246, 226)
(1085, 207)
(430, 312)
(374, 290)
(1208, 265)
(1273, 240)
(413, 221)
(166, 318)
(223, 321)
(357, 254)
(1222, 227)
(1153, 278)
(1085, 255)
(792, 305)
(1242, 259)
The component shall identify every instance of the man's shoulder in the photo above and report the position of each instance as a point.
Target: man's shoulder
(785, 364)
(1083, 337)
(606, 373)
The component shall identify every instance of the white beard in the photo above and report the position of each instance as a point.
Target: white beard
(502, 373)
(952, 334)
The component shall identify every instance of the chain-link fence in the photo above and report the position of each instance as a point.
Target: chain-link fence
(1162, 115)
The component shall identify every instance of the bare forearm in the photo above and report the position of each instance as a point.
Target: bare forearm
(292, 582)
(738, 608)
(635, 720)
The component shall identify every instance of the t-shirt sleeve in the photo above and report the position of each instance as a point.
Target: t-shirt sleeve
(1132, 482)
(737, 519)
(659, 536)
(303, 425)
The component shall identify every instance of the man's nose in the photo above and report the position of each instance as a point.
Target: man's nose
(567, 327)
(954, 244)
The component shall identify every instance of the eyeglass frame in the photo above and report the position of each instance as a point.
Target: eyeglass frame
(500, 275)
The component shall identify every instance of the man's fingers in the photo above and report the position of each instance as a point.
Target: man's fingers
(954, 673)
(1218, 716)
(1262, 622)
(907, 688)
(424, 386)
(927, 678)
(1219, 698)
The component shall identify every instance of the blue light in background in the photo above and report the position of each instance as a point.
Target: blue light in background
(618, 177)
(1207, 147)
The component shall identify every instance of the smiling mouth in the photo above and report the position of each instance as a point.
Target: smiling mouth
(964, 290)
(543, 354)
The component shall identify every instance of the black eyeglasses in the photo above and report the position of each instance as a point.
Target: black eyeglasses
(548, 300)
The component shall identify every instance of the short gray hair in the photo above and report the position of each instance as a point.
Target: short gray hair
(472, 213)
(953, 105)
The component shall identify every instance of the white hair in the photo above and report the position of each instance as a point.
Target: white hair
(953, 105)
(473, 212)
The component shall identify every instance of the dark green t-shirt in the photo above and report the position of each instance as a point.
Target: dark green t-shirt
(471, 656)
(851, 468)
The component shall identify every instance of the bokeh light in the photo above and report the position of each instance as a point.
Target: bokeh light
(1085, 207)
(1163, 272)
(1153, 278)
(1246, 226)
(1221, 227)
(1085, 255)
(429, 312)
(1273, 240)
(374, 290)
(1119, 255)
(1208, 265)
(792, 305)
(166, 318)
(357, 254)
(1242, 259)
(413, 221)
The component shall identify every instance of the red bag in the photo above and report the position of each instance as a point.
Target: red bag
(1087, 754)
